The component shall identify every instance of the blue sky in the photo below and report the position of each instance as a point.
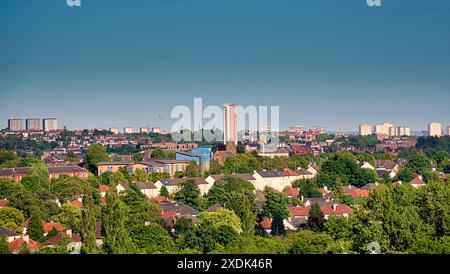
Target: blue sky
(126, 63)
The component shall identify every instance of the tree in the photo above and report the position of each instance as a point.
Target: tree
(117, 240)
(68, 188)
(222, 217)
(308, 188)
(419, 163)
(152, 239)
(158, 153)
(4, 248)
(277, 226)
(88, 225)
(189, 194)
(9, 187)
(140, 208)
(248, 218)
(35, 227)
(406, 175)
(11, 219)
(95, 154)
(26, 202)
(241, 163)
(309, 242)
(193, 170)
(164, 192)
(316, 218)
(140, 176)
(275, 203)
(137, 157)
(70, 217)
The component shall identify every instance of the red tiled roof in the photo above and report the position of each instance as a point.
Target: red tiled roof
(324, 192)
(417, 181)
(49, 227)
(17, 244)
(289, 172)
(55, 240)
(356, 193)
(291, 191)
(77, 203)
(162, 199)
(266, 223)
(3, 203)
(340, 210)
(296, 211)
(168, 214)
(103, 188)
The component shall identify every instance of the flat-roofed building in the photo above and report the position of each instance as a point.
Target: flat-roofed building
(434, 129)
(144, 130)
(33, 123)
(49, 124)
(156, 130)
(15, 124)
(128, 130)
(114, 130)
(383, 129)
(365, 130)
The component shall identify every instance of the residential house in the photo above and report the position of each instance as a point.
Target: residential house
(148, 189)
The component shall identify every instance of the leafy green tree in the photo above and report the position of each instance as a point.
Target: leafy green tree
(140, 208)
(95, 154)
(152, 239)
(140, 176)
(419, 163)
(68, 188)
(406, 175)
(275, 203)
(189, 194)
(225, 235)
(309, 242)
(52, 233)
(26, 202)
(316, 218)
(158, 153)
(117, 240)
(193, 170)
(184, 226)
(277, 226)
(241, 163)
(11, 219)
(222, 217)
(35, 227)
(164, 192)
(137, 157)
(308, 188)
(88, 225)
(70, 217)
(9, 187)
(4, 248)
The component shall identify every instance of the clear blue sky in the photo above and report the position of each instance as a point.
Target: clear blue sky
(125, 62)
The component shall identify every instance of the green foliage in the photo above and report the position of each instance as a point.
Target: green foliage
(11, 218)
(434, 143)
(152, 239)
(309, 242)
(275, 203)
(316, 218)
(68, 188)
(158, 153)
(140, 208)
(405, 175)
(9, 187)
(419, 163)
(88, 224)
(308, 188)
(4, 248)
(222, 217)
(35, 227)
(70, 217)
(193, 170)
(241, 163)
(117, 240)
(26, 202)
(345, 166)
(164, 192)
(95, 154)
(277, 226)
(189, 194)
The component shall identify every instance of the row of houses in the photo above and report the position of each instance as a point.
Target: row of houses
(55, 172)
(277, 180)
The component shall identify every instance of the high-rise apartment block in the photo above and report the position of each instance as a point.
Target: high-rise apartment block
(156, 130)
(49, 124)
(144, 130)
(33, 124)
(15, 124)
(365, 130)
(383, 129)
(434, 129)
(230, 123)
(128, 130)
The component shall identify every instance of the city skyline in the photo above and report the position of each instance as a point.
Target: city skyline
(129, 63)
